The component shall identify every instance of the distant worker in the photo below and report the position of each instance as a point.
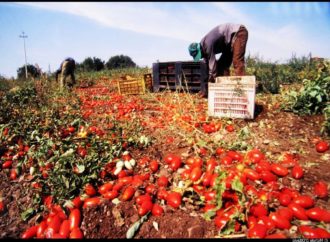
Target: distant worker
(67, 68)
(230, 40)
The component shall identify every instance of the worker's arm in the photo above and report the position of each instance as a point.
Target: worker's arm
(212, 65)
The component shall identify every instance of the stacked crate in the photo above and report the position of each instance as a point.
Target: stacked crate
(181, 75)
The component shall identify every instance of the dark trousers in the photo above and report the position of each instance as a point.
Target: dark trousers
(234, 55)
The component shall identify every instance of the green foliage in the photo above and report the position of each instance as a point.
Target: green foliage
(313, 97)
(326, 125)
(31, 70)
(91, 64)
(120, 61)
(271, 75)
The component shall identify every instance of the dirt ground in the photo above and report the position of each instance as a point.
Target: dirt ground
(272, 131)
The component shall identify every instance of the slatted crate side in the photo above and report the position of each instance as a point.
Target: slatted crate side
(189, 76)
(232, 97)
(131, 87)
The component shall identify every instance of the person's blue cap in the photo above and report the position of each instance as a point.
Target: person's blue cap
(195, 51)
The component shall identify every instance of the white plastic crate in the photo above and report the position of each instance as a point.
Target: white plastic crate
(232, 97)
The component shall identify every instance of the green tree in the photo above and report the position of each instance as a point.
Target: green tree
(91, 64)
(31, 70)
(120, 61)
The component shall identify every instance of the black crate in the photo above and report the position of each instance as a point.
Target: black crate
(181, 75)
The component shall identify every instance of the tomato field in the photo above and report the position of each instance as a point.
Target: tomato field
(92, 163)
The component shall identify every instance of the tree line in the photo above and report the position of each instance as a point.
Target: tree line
(89, 64)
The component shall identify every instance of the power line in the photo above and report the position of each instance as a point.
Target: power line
(24, 36)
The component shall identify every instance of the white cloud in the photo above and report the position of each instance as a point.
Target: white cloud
(146, 18)
(186, 23)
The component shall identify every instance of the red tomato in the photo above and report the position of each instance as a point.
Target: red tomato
(279, 169)
(258, 210)
(195, 174)
(171, 157)
(30, 232)
(284, 199)
(74, 219)
(265, 220)
(71, 129)
(105, 187)
(235, 155)
(13, 174)
(111, 194)
(298, 211)
(41, 229)
(55, 223)
(76, 234)
(49, 233)
(198, 162)
(227, 160)
(210, 165)
(297, 172)
(280, 221)
(7, 164)
(213, 179)
(175, 164)
(322, 147)
(304, 201)
(202, 151)
(318, 214)
(258, 231)
(77, 202)
(207, 179)
(93, 201)
(230, 128)
(263, 166)
(128, 194)
(162, 194)
(82, 152)
(208, 206)
(140, 199)
(251, 174)
(126, 180)
(255, 156)
(157, 210)
(285, 212)
(174, 199)
(210, 195)
(276, 236)
(65, 228)
(90, 190)
(219, 150)
(145, 207)
(154, 166)
(322, 233)
(252, 221)
(118, 186)
(151, 189)
(162, 181)
(321, 189)
(220, 221)
(267, 176)
(308, 232)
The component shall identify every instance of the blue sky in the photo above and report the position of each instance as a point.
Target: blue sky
(151, 31)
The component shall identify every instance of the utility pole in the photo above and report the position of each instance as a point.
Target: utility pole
(24, 36)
